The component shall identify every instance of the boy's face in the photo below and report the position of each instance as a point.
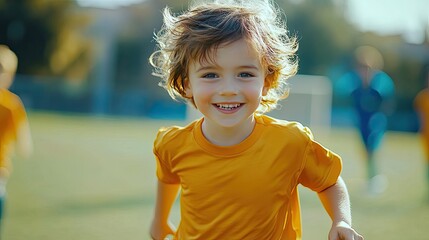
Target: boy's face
(228, 90)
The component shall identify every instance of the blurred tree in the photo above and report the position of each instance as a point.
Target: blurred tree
(325, 36)
(175, 5)
(46, 36)
(136, 44)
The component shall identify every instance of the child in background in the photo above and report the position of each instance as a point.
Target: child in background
(421, 104)
(14, 127)
(238, 170)
(372, 93)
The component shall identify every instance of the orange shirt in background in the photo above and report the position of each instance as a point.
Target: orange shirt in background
(421, 104)
(12, 117)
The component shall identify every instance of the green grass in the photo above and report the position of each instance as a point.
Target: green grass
(93, 178)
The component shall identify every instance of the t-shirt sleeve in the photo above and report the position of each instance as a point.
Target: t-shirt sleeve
(321, 167)
(163, 159)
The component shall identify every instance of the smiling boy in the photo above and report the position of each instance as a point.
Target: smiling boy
(238, 170)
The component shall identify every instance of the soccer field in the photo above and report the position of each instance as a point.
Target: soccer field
(93, 178)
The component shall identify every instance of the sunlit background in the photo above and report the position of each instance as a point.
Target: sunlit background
(91, 55)
(84, 75)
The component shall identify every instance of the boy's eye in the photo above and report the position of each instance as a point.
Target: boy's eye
(210, 75)
(245, 75)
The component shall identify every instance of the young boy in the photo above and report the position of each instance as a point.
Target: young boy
(238, 169)
(14, 128)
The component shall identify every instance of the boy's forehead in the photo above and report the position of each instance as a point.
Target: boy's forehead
(211, 59)
(209, 53)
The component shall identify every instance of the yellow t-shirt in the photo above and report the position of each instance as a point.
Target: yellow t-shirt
(12, 116)
(421, 103)
(245, 191)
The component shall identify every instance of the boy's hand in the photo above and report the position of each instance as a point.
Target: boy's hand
(160, 231)
(343, 231)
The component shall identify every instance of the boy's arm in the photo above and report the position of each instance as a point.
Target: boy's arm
(336, 201)
(166, 196)
(24, 142)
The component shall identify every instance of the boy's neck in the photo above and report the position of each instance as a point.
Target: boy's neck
(227, 136)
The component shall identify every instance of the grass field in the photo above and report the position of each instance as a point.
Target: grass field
(93, 178)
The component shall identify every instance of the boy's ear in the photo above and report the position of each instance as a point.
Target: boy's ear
(188, 90)
(267, 84)
(188, 93)
(265, 91)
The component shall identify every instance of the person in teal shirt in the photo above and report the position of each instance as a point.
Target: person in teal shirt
(372, 95)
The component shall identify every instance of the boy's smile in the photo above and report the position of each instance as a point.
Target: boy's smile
(228, 108)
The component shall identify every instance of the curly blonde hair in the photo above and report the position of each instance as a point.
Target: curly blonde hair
(197, 33)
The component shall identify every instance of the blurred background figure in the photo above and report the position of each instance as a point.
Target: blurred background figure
(421, 104)
(372, 92)
(14, 127)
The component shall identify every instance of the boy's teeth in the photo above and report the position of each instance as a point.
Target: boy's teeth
(228, 106)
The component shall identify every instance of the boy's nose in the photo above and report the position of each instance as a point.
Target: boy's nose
(228, 87)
